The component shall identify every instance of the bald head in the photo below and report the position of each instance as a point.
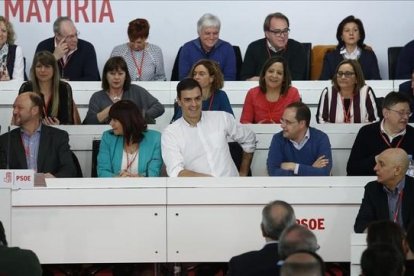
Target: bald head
(391, 166)
(28, 109)
(303, 264)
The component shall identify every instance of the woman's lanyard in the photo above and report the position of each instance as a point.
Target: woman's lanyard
(139, 67)
(388, 143)
(347, 112)
(129, 162)
(211, 101)
(398, 206)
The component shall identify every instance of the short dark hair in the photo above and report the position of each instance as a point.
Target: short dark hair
(131, 119)
(187, 84)
(214, 71)
(394, 98)
(138, 28)
(116, 63)
(277, 15)
(346, 20)
(273, 227)
(303, 112)
(385, 231)
(287, 79)
(382, 259)
(359, 74)
(3, 240)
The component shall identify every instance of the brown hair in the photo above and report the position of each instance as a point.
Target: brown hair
(287, 80)
(359, 75)
(10, 32)
(213, 70)
(115, 63)
(138, 28)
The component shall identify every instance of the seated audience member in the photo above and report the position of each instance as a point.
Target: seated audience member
(409, 246)
(207, 46)
(391, 196)
(382, 259)
(116, 86)
(265, 103)
(386, 231)
(405, 63)
(303, 263)
(196, 144)
(350, 99)
(392, 131)
(208, 74)
(16, 261)
(299, 149)
(145, 60)
(351, 35)
(296, 238)
(11, 55)
(276, 216)
(34, 145)
(275, 43)
(407, 89)
(57, 95)
(129, 149)
(76, 57)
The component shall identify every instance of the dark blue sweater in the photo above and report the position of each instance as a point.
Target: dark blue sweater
(282, 150)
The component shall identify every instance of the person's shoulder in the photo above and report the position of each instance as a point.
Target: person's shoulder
(190, 44)
(46, 41)
(294, 43)
(254, 90)
(409, 44)
(53, 130)
(154, 47)
(152, 134)
(370, 128)
(85, 43)
(120, 48)
(135, 88)
(98, 94)
(257, 43)
(373, 186)
(317, 132)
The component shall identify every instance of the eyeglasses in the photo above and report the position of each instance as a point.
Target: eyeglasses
(278, 32)
(346, 74)
(401, 113)
(287, 122)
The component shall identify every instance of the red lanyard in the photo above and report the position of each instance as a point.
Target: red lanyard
(139, 67)
(129, 162)
(388, 143)
(347, 113)
(211, 100)
(398, 206)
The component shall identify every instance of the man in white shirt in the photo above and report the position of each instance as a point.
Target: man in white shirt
(196, 144)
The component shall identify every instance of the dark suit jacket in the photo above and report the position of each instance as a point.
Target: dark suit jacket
(256, 263)
(82, 64)
(54, 155)
(405, 88)
(16, 261)
(375, 205)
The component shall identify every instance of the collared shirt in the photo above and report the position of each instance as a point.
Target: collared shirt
(393, 136)
(204, 148)
(395, 201)
(299, 146)
(31, 147)
(355, 54)
(273, 48)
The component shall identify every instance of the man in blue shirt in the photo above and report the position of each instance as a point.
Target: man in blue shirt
(299, 149)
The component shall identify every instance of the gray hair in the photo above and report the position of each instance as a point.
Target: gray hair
(58, 21)
(208, 20)
(296, 238)
(273, 225)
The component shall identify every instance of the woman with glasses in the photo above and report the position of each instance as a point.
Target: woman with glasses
(11, 55)
(350, 35)
(129, 149)
(60, 108)
(208, 74)
(265, 103)
(349, 100)
(145, 60)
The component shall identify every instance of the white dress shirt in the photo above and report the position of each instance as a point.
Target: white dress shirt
(204, 148)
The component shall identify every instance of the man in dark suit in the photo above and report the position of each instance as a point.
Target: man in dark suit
(391, 196)
(407, 88)
(76, 57)
(276, 216)
(35, 145)
(16, 261)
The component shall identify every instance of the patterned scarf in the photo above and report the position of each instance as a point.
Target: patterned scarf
(3, 55)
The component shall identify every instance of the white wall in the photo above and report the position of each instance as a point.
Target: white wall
(387, 23)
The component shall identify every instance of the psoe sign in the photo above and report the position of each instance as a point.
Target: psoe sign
(17, 179)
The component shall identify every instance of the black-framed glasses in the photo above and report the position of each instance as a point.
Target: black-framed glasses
(402, 113)
(287, 122)
(346, 74)
(278, 32)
